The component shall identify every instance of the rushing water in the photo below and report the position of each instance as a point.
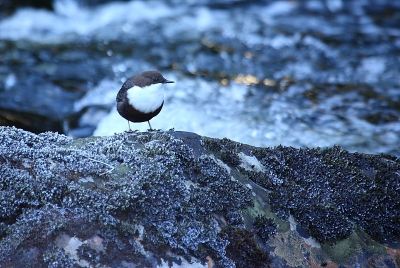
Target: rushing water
(298, 73)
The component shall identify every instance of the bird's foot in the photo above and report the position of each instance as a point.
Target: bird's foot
(132, 131)
(154, 130)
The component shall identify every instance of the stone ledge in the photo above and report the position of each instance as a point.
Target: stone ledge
(176, 198)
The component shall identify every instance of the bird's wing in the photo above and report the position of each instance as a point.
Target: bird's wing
(120, 96)
(127, 85)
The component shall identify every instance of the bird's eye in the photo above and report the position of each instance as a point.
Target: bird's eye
(155, 79)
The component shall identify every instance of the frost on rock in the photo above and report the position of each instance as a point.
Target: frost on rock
(170, 197)
(140, 193)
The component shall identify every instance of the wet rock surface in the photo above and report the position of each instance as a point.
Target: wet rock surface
(43, 84)
(165, 198)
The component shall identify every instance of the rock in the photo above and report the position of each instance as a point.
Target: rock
(176, 198)
(54, 86)
(7, 7)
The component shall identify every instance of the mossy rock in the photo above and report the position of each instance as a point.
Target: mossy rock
(176, 197)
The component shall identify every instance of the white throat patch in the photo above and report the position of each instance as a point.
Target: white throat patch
(147, 99)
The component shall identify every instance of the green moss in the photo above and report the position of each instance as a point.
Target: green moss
(119, 171)
(341, 251)
(250, 213)
(79, 143)
(367, 244)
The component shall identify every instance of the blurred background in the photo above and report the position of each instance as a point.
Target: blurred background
(296, 73)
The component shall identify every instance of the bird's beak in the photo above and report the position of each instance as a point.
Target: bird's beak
(168, 81)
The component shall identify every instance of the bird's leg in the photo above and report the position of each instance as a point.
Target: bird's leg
(130, 130)
(150, 126)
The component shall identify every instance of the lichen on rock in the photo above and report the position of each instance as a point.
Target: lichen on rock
(171, 197)
(166, 192)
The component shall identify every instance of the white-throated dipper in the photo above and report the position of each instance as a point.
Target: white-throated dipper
(141, 97)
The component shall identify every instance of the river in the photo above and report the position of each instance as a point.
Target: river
(296, 73)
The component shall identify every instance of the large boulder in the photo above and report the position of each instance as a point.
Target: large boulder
(176, 198)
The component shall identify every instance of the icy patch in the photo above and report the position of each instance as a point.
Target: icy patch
(71, 245)
(312, 242)
(250, 163)
(184, 263)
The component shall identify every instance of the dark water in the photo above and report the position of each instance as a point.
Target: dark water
(298, 73)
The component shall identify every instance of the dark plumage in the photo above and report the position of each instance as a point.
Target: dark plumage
(141, 97)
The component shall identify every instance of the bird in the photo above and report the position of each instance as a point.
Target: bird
(141, 97)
